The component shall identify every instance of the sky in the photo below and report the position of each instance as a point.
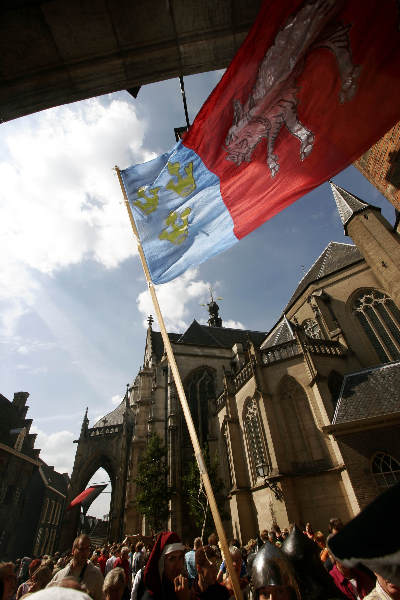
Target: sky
(73, 299)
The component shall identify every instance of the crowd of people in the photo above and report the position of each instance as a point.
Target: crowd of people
(289, 564)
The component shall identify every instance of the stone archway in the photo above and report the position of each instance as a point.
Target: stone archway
(105, 445)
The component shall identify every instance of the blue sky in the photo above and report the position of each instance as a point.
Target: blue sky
(73, 296)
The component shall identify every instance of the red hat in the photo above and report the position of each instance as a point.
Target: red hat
(167, 542)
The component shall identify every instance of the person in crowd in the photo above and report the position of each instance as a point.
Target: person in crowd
(114, 584)
(138, 559)
(264, 535)
(114, 554)
(123, 563)
(277, 530)
(353, 583)
(272, 538)
(95, 557)
(60, 593)
(308, 531)
(164, 572)
(39, 579)
(222, 569)
(384, 590)
(239, 567)
(272, 575)
(214, 542)
(319, 539)
(24, 587)
(23, 571)
(73, 583)
(8, 580)
(205, 585)
(101, 563)
(285, 533)
(190, 560)
(81, 568)
(335, 525)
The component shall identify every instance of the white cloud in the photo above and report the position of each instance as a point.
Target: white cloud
(60, 201)
(117, 399)
(57, 449)
(174, 298)
(233, 324)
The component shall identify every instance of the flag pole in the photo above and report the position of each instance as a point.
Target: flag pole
(184, 404)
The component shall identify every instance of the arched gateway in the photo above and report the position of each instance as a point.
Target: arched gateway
(107, 444)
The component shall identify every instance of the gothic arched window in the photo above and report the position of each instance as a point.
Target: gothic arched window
(312, 329)
(385, 469)
(380, 318)
(200, 389)
(254, 433)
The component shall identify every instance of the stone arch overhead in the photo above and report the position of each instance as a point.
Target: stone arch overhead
(85, 470)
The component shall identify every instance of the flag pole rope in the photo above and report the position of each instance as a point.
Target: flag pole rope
(184, 404)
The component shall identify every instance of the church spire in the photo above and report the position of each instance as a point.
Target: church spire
(214, 319)
(85, 424)
(347, 204)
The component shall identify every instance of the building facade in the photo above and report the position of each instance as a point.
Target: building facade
(32, 494)
(289, 412)
(381, 165)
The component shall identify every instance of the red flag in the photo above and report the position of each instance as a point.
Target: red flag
(86, 497)
(313, 86)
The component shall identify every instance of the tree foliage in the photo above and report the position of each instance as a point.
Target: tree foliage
(153, 493)
(195, 497)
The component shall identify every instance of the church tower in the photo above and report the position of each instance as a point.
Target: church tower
(374, 236)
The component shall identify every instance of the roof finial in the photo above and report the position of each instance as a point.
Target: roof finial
(150, 320)
(213, 310)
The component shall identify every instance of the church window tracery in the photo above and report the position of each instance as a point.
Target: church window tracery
(380, 318)
(312, 329)
(385, 469)
(200, 388)
(255, 438)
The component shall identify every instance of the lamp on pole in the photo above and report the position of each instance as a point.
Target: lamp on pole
(263, 470)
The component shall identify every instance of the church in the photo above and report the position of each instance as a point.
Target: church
(304, 419)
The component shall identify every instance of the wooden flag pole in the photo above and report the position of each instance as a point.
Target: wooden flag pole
(185, 407)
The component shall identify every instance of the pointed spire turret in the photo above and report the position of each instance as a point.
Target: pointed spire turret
(347, 204)
(85, 424)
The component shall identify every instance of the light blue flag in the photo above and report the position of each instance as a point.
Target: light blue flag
(179, 212)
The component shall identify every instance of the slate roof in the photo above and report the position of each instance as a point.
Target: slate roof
(219, 337)
(335, 256)
(281, 333)
(347, 204)
(115, 417)
(369, 393)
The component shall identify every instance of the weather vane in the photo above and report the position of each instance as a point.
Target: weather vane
(213, 309)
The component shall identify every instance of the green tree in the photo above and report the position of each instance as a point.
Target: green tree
(153, 493)
(196, 498)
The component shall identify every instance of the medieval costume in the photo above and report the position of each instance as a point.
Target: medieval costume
(160, 585)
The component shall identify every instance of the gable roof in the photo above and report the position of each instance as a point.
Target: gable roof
(281, 333)
(369, 393)
(336, 256)
(219, 337)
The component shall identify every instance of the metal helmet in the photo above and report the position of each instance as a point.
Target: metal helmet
(271, 567)
(315, 583)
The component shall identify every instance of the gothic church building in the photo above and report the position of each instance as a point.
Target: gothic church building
(304, 419)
